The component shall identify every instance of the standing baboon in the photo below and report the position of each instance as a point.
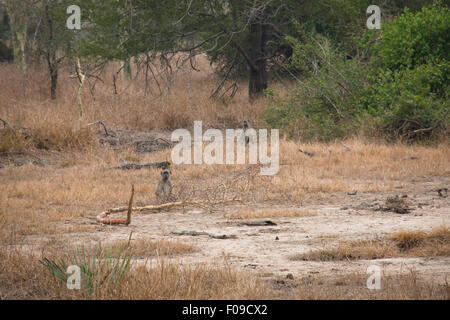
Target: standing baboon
(164, 188)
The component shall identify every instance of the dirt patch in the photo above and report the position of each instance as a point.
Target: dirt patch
(267, 249)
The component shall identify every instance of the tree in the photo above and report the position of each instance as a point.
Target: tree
(251, 31)
(55, 40)
(18, 15)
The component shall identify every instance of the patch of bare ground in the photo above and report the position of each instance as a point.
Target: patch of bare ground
(268, 213)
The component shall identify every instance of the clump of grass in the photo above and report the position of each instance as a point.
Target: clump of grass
(98, 266)
(268, 213)
(436, 242)
(400, 244)
(355, 250)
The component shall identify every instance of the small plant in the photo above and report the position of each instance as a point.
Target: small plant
(98, 266)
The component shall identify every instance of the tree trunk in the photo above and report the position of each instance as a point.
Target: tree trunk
(18, 25)
(53, 83)
(258, 73)
(126, 69)
(53, 71)
(52, 62)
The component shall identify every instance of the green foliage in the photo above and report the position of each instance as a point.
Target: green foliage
(98, 266)
(414, 39)
(410, 104)
(403, 90)
(323, 105)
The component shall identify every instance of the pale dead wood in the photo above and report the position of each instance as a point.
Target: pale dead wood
(6, 124)
(101, 218)
(136, 166)
(345, 146)
(103, 125)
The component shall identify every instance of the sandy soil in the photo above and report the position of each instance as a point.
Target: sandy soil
(267, 249)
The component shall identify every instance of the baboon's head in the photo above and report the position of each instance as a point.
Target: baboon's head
(245, 124)
(165, 175)
(165, 165)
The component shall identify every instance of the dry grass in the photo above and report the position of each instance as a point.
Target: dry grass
(23, 277)
(72, 183)
(155, 248)
(75, 183)
(132, 108)
(270, 213)
(407, 286)
(399, 244)
(422, 244)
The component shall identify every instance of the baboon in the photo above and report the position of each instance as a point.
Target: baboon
(164, 188)
(245, 127)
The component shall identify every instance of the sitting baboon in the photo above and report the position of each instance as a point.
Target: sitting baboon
(245, 127)
(164, 188)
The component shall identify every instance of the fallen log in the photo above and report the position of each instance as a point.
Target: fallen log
(101, 218)
(257, 223)
(202, 233)
(307, 153)
(104, 127)
(136, 166)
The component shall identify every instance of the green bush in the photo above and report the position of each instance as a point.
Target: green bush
(402, 93)
(413, 39)
(323, 105)
(410, 104)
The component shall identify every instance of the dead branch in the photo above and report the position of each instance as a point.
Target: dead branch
(6, 124)
(103, 125)
(307, 153)
(102, 218)
(164, 140)
(136, 166)
(202, 233)
(406, 158)
(345, 146)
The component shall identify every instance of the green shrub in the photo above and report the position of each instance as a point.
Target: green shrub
(410, 104)
(99, 267)
(413, 39)
(402, 93)
(323, 105)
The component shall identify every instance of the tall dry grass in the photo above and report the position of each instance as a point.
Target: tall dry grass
(37, 200)
(24, 101)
